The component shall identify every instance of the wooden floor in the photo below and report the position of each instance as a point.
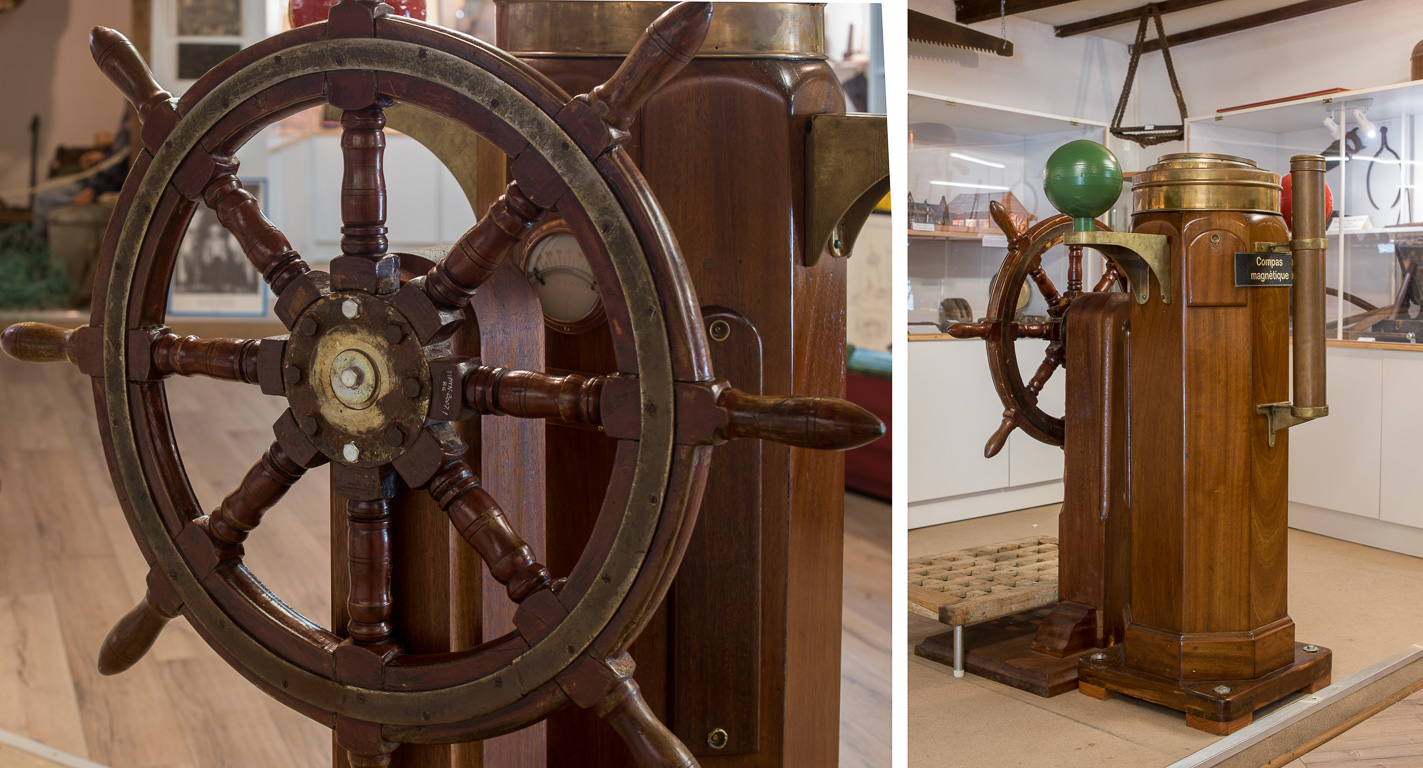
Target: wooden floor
(1391, 739)
(69, 568)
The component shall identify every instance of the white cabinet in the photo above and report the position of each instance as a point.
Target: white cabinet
(1334, 461)
(1401, 444)
(954, 408)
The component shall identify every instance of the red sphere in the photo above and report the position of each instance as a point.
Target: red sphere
(305, 12)
(1285, 200)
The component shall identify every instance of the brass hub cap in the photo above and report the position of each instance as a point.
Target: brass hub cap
(357, 379)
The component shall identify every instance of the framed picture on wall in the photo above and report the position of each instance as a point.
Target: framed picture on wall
(212, 276)
(209, 18)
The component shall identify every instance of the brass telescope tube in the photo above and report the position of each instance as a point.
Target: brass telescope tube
(1307, 228)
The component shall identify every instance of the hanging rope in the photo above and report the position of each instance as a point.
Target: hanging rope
(1147, 135)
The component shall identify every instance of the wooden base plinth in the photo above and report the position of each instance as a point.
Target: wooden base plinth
(1001, 651)
(1207, 709)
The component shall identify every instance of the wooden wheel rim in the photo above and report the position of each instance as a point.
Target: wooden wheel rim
(614, 595)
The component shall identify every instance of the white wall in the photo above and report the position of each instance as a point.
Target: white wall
(1078, 76)
(1357, 46)
(44, 51)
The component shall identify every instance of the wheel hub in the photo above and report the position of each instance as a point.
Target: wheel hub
(357, 379)
(354, 379)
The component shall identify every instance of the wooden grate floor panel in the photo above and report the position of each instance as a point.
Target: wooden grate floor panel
(982, 583)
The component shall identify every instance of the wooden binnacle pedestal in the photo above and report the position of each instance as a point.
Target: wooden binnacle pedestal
(1173, 528)
(1208, 630)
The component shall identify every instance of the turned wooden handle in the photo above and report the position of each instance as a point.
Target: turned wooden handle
(1003, 220)
(39, 343)
(823, 423)
(651, 743)
(131, 638)
(125, 68)
(667, 45)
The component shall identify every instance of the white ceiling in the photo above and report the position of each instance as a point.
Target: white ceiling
(1081, 10)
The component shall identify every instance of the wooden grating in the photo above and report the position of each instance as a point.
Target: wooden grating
(983, 583)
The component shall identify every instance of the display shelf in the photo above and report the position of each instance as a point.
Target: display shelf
(923, 234)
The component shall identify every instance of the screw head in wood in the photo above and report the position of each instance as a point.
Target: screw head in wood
(1222, 689)
(395, 436)
(292, 374)
(307, 327)
(393, 333)
(411, 387)
(350, 309)
(350, 452)
(1310, 649)
(1098, 656)
(717, 739)
(720, 330)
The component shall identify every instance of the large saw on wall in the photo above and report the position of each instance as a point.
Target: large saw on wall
(929, 29)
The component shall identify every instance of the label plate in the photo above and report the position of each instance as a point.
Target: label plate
(1264, 270)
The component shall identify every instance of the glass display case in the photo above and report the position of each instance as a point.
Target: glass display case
(1370, 138)
(962, 157)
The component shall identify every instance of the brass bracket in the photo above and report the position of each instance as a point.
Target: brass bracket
(1138, 255)
(1290, 246)
(846, 174)
(1283, 416)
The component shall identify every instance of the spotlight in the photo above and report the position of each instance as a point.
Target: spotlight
(1331, 126)
(1370, 130)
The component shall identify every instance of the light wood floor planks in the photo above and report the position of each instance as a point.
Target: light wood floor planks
(1391, 739)
(69, 568)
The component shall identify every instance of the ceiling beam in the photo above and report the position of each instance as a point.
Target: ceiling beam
(1129, 16)
(974, 11)
(1247, 22)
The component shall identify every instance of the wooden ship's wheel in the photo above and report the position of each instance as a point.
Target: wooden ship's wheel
(1001, 329)
(373, 385)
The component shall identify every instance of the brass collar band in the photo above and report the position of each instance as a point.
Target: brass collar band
(1205, 182)
(581, 29)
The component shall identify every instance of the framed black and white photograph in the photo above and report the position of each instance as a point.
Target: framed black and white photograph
(210, 18)
(212, 275)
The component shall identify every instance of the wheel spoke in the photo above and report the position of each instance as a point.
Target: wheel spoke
(1045, 286)
(239, 212)
(42, 343)
(1074, 269)
(987, 330)
(1050, 363)
(480, 521)
(368, 554)
(999, 438)
(262, 487)
(1110, 275)
(1034, 330)
(225, 359)
(363, 197)
(482, 249)
(572, 399)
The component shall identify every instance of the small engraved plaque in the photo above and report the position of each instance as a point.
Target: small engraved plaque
(1264, 270)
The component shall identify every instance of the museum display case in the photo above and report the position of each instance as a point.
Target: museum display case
(1352, 477)
(1376, 231)
(964, 155)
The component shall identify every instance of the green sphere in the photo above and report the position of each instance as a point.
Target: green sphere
(1082, 179)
